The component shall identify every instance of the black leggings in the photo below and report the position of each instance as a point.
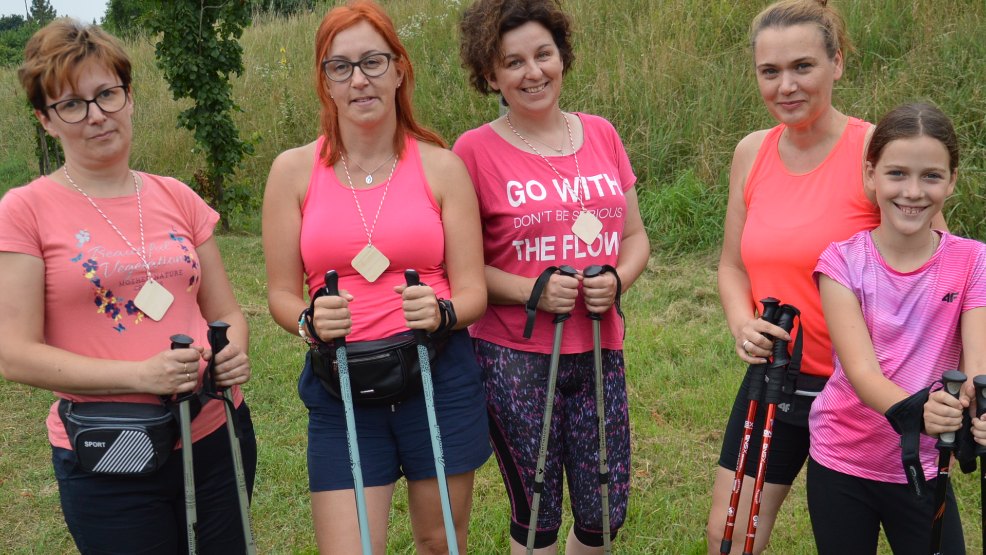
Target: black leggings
(847, 512)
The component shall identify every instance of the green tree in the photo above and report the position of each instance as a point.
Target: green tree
(11, 22)
(128, 18)
(41, 12)
(197, 52)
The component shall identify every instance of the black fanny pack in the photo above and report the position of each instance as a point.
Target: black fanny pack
(119, 438)
(381, 372)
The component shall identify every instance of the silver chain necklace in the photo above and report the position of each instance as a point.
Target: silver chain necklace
(386, 187)
(142, 253)
(369, 174)
(571, 142)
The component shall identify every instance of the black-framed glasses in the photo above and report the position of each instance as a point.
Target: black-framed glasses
(374, 65)
(74, 110)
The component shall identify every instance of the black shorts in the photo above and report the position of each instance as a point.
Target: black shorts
(789, 440)
(847, 513)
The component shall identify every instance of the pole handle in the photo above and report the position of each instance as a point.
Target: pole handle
(591, 272)
(218, 339)
(181, 341)
(413, 280)
(332, 289)
(952, 381)
(569, 271)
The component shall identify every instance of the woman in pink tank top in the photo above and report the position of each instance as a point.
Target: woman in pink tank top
(377, 194)
(793, 189)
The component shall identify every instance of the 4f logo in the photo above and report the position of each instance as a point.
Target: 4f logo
(949, 297)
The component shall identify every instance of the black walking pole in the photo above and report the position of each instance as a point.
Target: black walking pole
(980, 384)
(180, 341)
(597, 360)
(952, 381)
(559, 321)
(217, 342)
(772, 396)
(757, 373)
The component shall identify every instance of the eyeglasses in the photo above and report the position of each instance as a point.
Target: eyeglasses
(374, 65)
(74, 110)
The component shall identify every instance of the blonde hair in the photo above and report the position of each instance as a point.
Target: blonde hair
(819, 13)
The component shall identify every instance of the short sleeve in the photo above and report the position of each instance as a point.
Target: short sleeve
(975, 296)
(832, 263)
(19, 231)
(200, 218)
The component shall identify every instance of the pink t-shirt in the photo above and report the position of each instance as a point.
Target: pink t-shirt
(408, 232)
(527, 219)
(791, 218)
(92, 276)
(914, 321)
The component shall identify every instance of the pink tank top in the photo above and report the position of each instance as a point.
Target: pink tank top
(792, 218)
(408, 231)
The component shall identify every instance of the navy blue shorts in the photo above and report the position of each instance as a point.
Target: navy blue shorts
(395, 441)
(146, 514)
(788, 445)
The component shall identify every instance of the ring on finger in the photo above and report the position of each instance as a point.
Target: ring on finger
(746, 344)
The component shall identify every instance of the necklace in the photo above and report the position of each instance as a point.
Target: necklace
(153, 299)
(369, 174)
(586, 226)
(369, 262)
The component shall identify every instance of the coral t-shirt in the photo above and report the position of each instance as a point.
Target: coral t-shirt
(527, 215)
(92, 276)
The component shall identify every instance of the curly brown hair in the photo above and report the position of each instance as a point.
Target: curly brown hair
(486, 21)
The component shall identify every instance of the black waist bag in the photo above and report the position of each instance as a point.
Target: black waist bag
(119, 438)
(381, 372)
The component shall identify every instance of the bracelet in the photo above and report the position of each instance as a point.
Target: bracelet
(448, 318)
(302, 331)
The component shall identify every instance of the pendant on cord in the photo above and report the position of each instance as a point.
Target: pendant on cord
(153, 299)
(587, 227)
(370, 263)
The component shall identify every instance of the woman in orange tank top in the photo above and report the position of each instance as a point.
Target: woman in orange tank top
(793, 189)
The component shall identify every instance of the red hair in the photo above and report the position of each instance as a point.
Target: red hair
(339, 19)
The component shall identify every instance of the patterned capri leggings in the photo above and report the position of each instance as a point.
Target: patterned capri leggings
(516, 384)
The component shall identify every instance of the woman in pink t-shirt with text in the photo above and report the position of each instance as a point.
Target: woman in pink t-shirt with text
(555, 188)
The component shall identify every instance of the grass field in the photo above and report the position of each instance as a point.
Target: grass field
(675, 78)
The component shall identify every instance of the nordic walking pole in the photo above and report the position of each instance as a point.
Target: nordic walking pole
(549, 402)
(180, 341)
(332, 288)
(757, 373)
(980, 384)
(217, 342)
(411, 277)
(597, 362)
(952, 381)
(772, 396)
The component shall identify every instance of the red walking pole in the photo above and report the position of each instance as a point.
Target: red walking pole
(756, 373)
(772, 396)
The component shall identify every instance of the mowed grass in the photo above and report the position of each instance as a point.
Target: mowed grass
(681, 376)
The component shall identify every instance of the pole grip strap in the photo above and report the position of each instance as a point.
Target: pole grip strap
(532, 303)
(619, 292)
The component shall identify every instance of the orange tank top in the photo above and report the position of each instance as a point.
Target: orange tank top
(792, 218)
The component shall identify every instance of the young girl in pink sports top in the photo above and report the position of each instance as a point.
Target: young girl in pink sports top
(903, 303)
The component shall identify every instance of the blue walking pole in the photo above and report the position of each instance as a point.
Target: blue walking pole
(332, 288)
(411, 277)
